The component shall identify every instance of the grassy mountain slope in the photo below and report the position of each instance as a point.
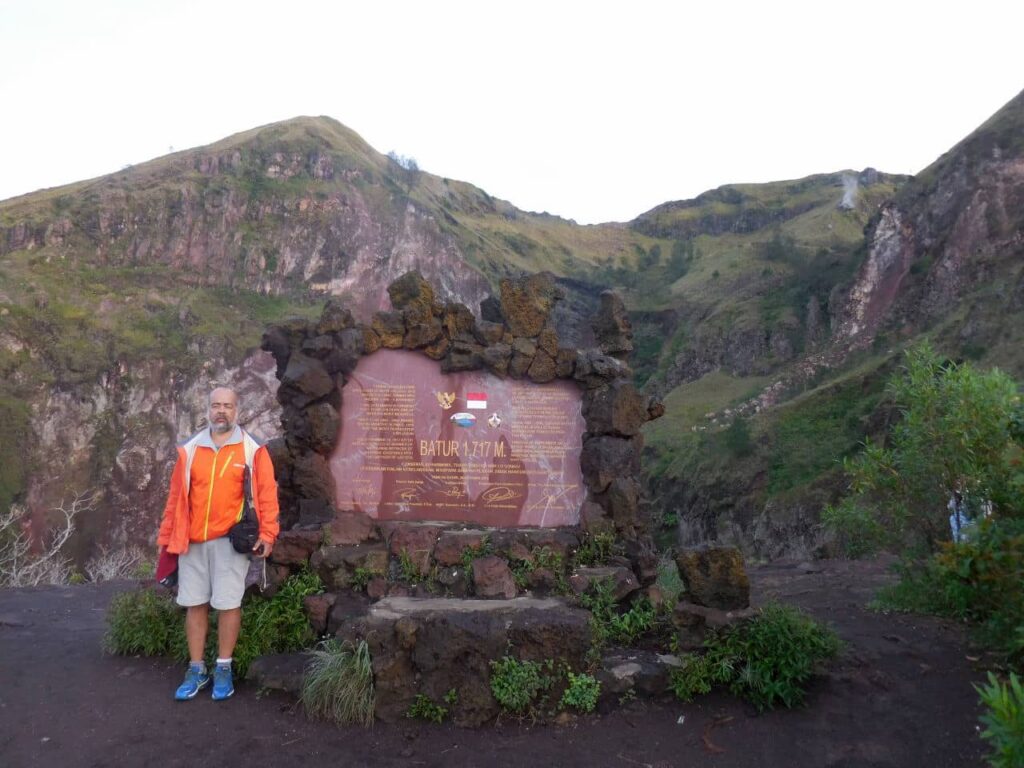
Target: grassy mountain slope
(180, 262)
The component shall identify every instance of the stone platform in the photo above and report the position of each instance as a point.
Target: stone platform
(435, 645)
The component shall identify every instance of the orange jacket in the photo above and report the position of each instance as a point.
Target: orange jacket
(205, 497)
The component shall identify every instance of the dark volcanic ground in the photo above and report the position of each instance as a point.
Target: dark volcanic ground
(899, 696)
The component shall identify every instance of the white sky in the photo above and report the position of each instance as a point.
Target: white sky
(595, 111)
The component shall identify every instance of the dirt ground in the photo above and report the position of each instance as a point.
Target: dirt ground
(899, 696)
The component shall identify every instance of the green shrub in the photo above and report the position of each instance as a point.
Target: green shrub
(277, 625)
(954, 436)
(1003, 720)
(979, 580)
(338, 685)
(582, 692)
(517, 685)
(856, 529)
(145, 622)
(767, 660)
(150, 623)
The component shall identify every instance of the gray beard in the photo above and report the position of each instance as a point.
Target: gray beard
(220, 429)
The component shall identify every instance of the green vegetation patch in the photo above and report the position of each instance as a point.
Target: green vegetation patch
(338, 685)
(149, 622)
(768, 660)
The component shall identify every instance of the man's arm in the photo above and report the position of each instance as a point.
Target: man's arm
(265, 491)
(167, 521)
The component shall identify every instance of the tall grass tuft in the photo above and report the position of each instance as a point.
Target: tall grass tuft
(339, 683)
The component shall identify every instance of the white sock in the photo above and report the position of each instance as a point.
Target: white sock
(200, 665)
(224, 662)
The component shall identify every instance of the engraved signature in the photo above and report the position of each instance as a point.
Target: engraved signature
(454, 492)
(409, 494)
(500, 493)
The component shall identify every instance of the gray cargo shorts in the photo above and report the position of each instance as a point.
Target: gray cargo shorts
(212, 572)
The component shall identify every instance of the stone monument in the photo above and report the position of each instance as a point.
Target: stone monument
(439, 470)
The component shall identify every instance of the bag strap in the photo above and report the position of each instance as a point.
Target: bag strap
(247, 505)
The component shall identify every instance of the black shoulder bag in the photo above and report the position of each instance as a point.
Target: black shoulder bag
(246, 532)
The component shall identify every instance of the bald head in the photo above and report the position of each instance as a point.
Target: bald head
(223, 412)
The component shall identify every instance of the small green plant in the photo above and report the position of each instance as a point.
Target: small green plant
(361, 577)
(407, 568)
(424, 708)
(517, 685)
(596, 549)
(582, 693)
(541, 558)
(469, 554)
(607, 625)
(669, 582)
(767, 660)
(1003, 720)
(338, 685)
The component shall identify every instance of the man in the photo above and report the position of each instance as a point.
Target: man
(205, 500)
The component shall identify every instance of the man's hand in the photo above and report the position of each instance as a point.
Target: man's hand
(263, 548)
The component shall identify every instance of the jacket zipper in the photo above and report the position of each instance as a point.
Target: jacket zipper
(209, 497)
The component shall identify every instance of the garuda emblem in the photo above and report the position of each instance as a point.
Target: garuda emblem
(445, 399)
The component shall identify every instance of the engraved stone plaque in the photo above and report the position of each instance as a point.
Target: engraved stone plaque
(416, 444)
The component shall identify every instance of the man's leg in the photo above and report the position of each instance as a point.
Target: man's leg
(194, 595)
(229, 572)
(197, 621)
(229, 623)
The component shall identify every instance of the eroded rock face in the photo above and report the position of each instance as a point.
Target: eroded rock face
(432, 646)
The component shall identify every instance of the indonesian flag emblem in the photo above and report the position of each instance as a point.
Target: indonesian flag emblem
(476, 401)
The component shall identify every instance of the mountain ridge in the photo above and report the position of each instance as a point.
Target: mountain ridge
(121, 297)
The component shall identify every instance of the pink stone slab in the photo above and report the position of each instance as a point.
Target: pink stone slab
(511, 459)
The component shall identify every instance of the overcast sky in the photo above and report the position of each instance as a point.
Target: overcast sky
(594, 111)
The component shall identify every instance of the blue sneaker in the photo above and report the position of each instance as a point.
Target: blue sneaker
(195, 680)
(223, 685)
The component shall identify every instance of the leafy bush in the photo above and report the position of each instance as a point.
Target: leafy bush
(1003, 720)
(980, 580)
(856, 529)
(955, 436)
(146, 622)
(517, 685)
(277, 625)
(767, 661)
(150, 623)
(582, 692)
(339, 684)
